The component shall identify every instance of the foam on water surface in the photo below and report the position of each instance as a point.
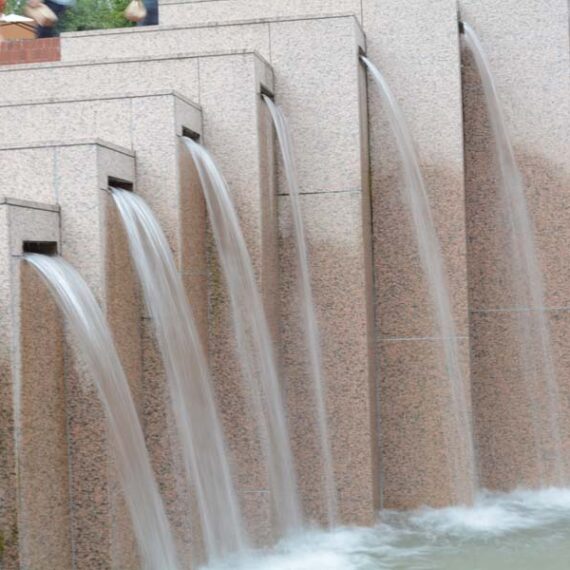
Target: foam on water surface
(523, 530)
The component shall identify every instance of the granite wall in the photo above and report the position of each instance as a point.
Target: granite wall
(388, 396)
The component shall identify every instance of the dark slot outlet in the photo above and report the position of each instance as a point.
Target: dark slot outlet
(43, 247)
(122, 184)
(189, 133)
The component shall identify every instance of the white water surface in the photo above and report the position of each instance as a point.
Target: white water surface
(523, 530)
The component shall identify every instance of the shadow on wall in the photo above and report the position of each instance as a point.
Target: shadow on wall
(332, 223)
(502, 403)
(418, 445)
(416, 440)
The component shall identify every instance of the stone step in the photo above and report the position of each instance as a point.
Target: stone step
(141, 74)
(190, 12)
(196, 39)
(150, 124)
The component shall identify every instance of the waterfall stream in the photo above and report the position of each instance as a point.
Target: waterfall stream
(254, 343)
(534, 343)
(91, 332)
(191, 392)
(461, 447)
(311, 327)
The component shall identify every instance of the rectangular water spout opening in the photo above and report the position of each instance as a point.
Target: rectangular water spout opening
(118, 183)
(263, 90)
(43, 247)
(189, 133)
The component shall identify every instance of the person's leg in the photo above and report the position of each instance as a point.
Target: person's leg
(52, 31)
(151, 13)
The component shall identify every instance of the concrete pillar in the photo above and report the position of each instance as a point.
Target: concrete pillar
(35, 531)
(527, 46)
(236, 131)
(93, 241)
(415, 45)
(168, 182)
(74, 176)
(328, 121)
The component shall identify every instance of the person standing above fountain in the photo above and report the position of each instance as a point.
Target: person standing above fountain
(48, 28)
(151, 18)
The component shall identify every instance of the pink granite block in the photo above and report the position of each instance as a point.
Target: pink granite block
(33, 453)
(336, 240)
(415, 45)
(44, 511)
(423, 455)
(530, 68)
(513, 413)
(93, 240)
(404, 301)
(490, 236)
(237, 132)
(308, 57)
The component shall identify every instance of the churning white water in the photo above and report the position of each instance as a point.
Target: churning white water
(416, 197)
(91, 332)
(527, 284)
(253, 338)
(524, 530)
(191, 392)
(312, 334)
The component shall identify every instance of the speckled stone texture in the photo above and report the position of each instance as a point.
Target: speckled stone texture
(34, 505)
(236, 131)
(167, 180)
(527, 45)
(415, 45)
(331, 146)
(141, 74)
(92, 240)
(388, 400)
(184, 12)
(194, 38)
(157, 41)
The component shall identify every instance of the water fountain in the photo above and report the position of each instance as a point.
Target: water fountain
(191, 394)
(253, 340)
(460, 432)
(94, 341)
(526, 283)
(312, 334)
(402, 367)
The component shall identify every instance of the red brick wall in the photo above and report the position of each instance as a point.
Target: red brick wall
(29, 51)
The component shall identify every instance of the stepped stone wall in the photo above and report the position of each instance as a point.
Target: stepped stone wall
(117, 105)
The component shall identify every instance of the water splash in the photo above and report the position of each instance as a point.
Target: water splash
(416, 197)
(312, 335)
(191, 394)
(95, 343)
(534, 334)
(255, 347)
(523, 530)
